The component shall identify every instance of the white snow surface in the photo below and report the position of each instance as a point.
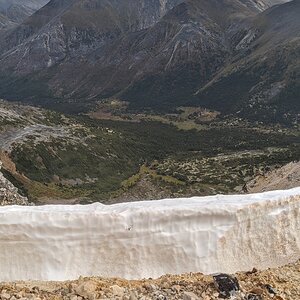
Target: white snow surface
(151, 238)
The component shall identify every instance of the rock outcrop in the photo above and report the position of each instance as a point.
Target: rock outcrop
(285, 177)
(9, 194)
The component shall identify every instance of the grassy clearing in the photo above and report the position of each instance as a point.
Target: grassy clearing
(144, 170)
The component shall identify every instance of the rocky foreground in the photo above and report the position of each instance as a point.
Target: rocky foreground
(277, 284)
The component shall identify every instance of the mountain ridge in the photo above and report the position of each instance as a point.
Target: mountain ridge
(268, 76)
(158, 58)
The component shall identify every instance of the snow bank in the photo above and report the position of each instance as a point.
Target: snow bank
(148, 239)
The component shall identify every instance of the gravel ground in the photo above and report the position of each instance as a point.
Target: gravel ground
(277, 284)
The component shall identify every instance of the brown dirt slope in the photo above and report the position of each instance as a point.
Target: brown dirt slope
(283, 178)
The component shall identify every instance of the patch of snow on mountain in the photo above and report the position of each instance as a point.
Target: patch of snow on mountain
(149, 239)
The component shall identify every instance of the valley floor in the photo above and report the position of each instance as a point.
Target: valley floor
(112, 156)
(277, 284)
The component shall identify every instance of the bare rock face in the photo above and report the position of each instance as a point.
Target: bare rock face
(9, 194)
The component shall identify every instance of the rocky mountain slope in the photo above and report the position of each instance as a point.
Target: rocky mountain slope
(156, 54)
(5, 22)
(263, 81)
(14, 12)
(285, 177)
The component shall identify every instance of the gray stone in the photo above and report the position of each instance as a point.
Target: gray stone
(190, 296)
(86, 289)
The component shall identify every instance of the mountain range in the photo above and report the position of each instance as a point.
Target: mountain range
(238, 57)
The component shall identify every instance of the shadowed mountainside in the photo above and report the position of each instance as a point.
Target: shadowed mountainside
(263, 81)
(159, 55)
(14, 12)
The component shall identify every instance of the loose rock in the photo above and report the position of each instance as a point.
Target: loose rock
(190, 296)
(226, 285)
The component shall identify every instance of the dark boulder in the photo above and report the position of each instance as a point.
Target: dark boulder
(226, 285)
(270, 289)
